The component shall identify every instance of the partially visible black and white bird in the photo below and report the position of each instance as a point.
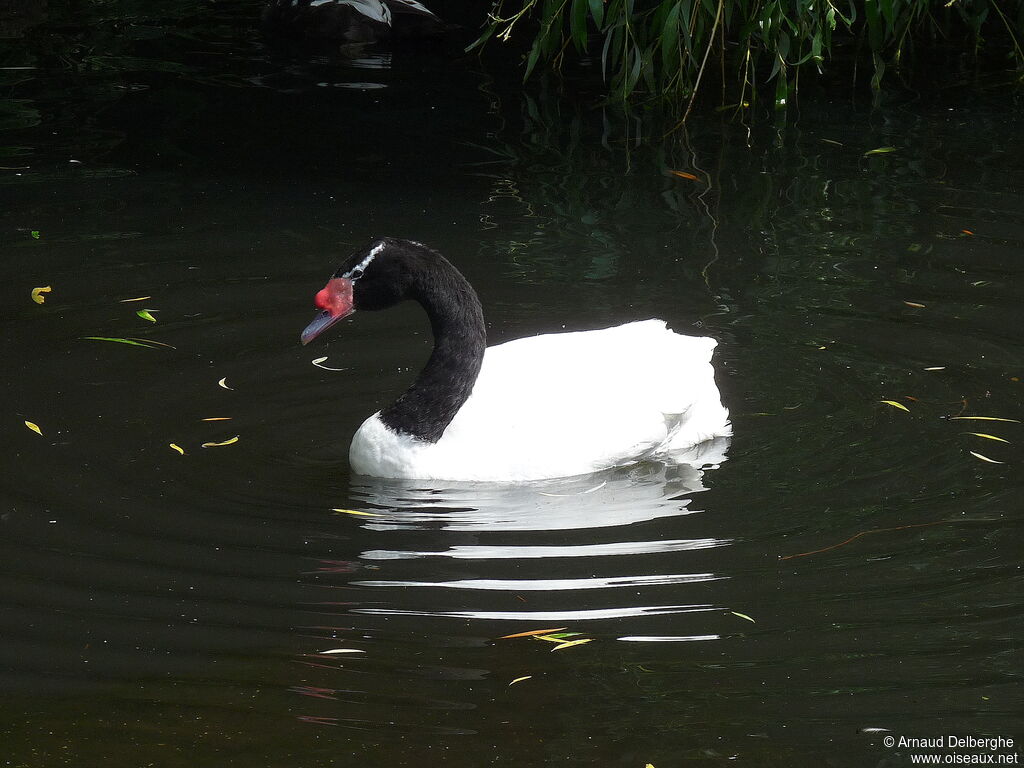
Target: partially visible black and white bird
(351, 21)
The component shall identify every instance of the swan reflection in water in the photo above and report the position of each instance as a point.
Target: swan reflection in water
(449, 549)
(406, 628)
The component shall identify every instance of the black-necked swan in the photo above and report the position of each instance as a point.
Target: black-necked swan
(541, 407)
(351, 21)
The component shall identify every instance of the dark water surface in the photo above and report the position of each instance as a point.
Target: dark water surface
(171, 610)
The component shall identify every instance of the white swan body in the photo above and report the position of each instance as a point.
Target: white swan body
(541, 407)
(564, 404)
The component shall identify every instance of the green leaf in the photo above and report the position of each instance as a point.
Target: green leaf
(597, 12)
(35, 234)
(879, 151)
(578, 24)
(145, 315)
(670, 35)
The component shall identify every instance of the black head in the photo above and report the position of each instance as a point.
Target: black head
(377, 276)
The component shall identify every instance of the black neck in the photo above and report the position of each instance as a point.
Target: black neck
(446, 382)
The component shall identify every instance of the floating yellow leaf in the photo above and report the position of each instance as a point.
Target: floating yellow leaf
(894, 404)
(966, 231)
(531, 632)
(218, 418)
(37, 294)
(558, 637)
(685, 175)
(145, 315)
(743, 616)
(571, 643)
(137, 298)
(982, 418)
(224, 383)
(987, 437)
(34, 427)
(879, 151)
(226, 442)
(985, 458)
(914, 304)
(520, 679)
(356, 512)
(178, 448)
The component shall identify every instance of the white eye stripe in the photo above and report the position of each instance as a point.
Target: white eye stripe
(357, 271)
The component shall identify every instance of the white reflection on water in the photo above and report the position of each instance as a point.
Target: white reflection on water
(547, 585)
(581, 614)
(621, 496)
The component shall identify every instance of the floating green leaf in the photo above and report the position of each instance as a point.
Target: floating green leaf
(133, 342)
(35, 234)
(145, 315)
(743, 616)
(879, 151)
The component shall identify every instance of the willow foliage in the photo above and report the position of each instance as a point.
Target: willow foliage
(666, 47)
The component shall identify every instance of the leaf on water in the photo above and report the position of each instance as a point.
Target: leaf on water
(743, 616)
(317, 362)
(341, 650)
(218, 418)
(145, 315)
(133, 342)
(571, 643)
(37, 293)
(936, 368)
(531, 632)
(684, 175)
(226, 442)
(558, 637)
(224, 383)
(34, 427)
(520, 679)
(987, 437)
(914, 304)
(894, 404)
(966, 232)
(137, 298)
(178, 448)
(982, 418)
(985, 458)
(879, 151)
(650, 765)
(356, 512)
(830, 141)
(35, 234)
